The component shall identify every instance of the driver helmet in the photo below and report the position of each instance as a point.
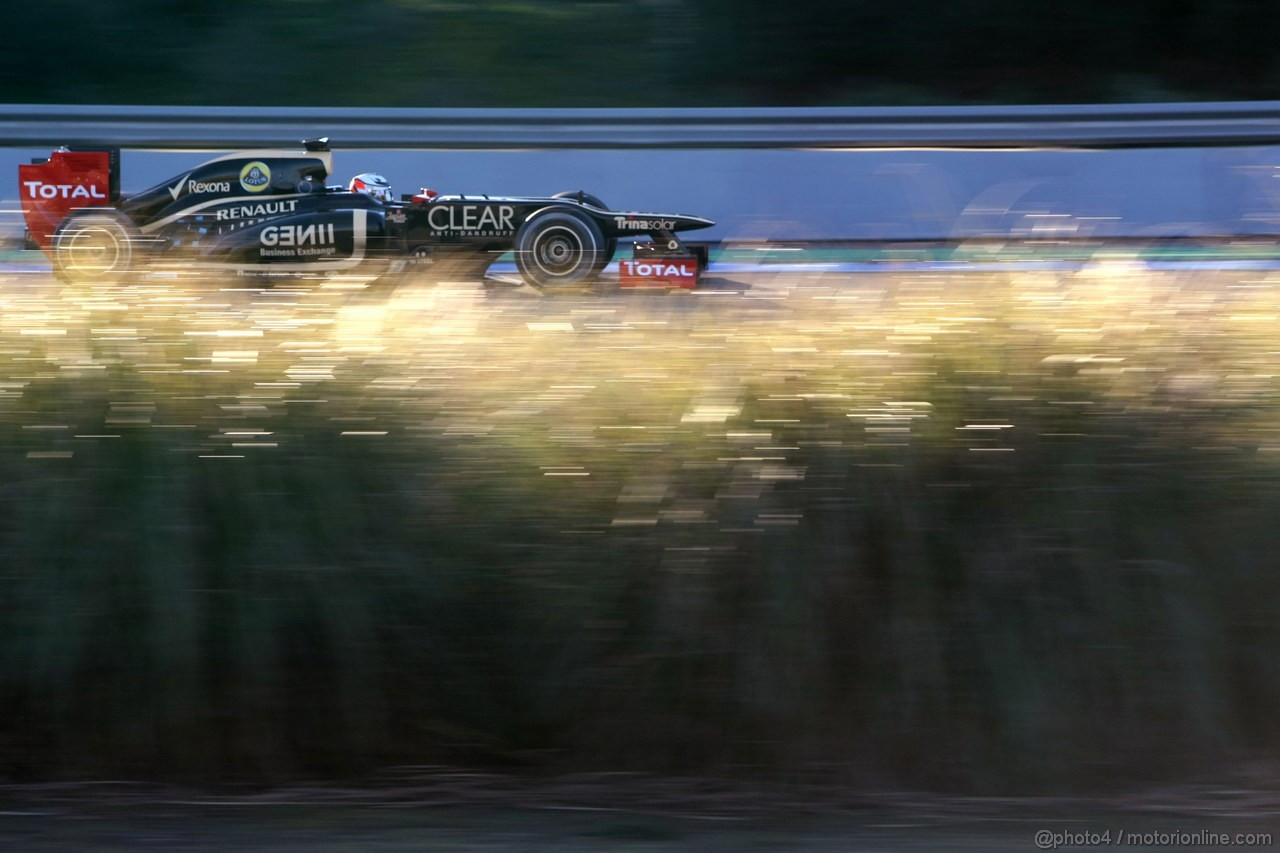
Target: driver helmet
(373, 185)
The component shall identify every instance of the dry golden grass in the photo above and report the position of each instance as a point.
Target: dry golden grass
(972, 531)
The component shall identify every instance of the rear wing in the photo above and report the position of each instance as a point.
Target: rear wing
(50, 188)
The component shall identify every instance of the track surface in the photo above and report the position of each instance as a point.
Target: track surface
(474, 812)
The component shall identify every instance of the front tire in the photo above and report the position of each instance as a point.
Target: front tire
(559, 248)
(611, 243)
(95, 248)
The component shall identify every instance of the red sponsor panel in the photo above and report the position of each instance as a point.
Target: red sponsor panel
(67, 181)
(658, 272)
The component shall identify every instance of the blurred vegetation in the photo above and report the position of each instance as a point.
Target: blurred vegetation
(576, 53)
(988, 533)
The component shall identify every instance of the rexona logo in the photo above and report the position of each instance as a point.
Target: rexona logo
(255, 177)
(198, 187)
(208, 186)
(479, 219)
(39, 189)
(297, 240)
(626, 224)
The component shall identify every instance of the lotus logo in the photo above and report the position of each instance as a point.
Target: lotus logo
(255, 176)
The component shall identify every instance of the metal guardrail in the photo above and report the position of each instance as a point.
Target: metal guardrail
(1106, 126)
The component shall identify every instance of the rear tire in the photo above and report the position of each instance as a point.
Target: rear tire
(559, 248)
(95, 248)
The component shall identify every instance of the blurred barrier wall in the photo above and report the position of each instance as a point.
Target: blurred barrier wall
(1115, 125)
(885, 174)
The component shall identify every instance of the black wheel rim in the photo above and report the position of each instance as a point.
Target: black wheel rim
(91, 251)
(558, 251)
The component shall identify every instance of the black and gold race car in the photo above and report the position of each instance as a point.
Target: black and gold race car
(272, 211)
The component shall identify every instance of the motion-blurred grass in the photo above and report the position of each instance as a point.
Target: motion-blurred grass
(998, 532)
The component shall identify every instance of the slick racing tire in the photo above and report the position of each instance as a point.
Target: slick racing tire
(559, 248)
(611, 243)
(93, 248)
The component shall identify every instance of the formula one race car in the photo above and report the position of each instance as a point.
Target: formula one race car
(271, 211)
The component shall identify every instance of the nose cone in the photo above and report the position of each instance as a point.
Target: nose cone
(692, 223)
